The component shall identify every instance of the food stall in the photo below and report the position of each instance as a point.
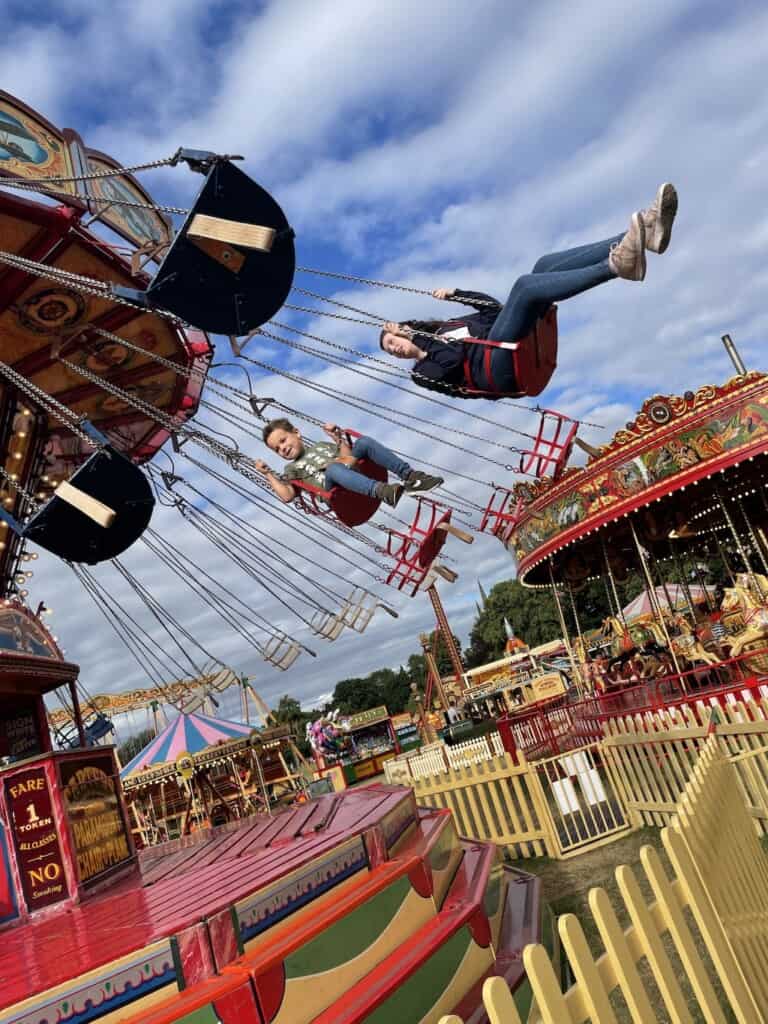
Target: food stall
(363, 743)
(406, 731)
(514, 681)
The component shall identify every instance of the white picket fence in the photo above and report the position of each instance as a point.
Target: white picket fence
(439, 757)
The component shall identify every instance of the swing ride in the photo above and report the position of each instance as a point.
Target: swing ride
(103, 359)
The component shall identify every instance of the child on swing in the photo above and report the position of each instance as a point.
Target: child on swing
(474, 370)
(328, 464)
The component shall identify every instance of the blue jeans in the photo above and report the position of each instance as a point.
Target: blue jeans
(555, 277)
(339, 475)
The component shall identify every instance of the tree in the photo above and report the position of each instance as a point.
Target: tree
(134, 744)
(352, 695)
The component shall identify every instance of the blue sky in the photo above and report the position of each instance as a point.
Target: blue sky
(439, 143)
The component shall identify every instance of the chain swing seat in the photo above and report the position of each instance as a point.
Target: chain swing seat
(328, 626)
(95, 515)
(534, 359)
(360, 607)
(415, 552)
(230, 266)
(502, 514)
(552, 447)
(348, 507)
(281, 651)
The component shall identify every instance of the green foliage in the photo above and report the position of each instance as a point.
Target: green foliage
(134, 744)
(533, 615)
(383, 686)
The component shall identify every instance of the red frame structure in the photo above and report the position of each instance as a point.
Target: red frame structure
(416, 551)
(550, 455)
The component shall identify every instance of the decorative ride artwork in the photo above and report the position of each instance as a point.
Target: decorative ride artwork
(94, 814)
(587, 493)
(29, 147)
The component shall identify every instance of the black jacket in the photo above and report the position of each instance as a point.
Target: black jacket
(442, 369)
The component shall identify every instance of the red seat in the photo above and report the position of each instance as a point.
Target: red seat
(348, 507)
(415, 552)
(535, 357)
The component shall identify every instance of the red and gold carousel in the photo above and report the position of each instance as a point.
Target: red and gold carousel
(678, 497)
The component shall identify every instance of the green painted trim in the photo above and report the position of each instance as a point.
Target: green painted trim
(351, 935)
(492, 896)
(416, 996)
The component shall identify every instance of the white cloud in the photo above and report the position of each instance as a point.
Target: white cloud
(440, 143)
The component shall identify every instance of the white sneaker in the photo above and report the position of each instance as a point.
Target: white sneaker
(627, 258)
(659, 218)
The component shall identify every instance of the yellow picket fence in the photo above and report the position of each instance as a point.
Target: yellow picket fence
(651, 757)
(721, 878)
(499, 799)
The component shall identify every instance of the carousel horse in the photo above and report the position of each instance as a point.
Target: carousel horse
(644, 638)
(742, 600)
(686, 644)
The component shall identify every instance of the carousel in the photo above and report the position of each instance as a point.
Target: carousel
(678, 498)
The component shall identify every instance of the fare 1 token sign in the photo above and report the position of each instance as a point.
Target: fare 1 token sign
(36, 839)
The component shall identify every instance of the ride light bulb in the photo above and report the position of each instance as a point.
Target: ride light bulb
(19, 577)
(17, 455)
(23, 593)
(34, 555)
(28, 575)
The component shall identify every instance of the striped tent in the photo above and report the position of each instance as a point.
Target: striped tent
(190, 732)
(642, 605)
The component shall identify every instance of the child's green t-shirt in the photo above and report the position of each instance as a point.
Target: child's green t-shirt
(310, 466)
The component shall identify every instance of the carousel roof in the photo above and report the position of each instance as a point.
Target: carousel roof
(663, 477)
(189, 733)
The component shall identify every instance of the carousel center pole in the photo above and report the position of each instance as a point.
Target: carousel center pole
(655, 604)
(575, 667)
(609, 574)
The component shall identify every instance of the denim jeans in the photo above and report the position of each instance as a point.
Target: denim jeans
(339, 475)
(555, 277)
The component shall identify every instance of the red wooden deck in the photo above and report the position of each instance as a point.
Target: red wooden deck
(176, 891)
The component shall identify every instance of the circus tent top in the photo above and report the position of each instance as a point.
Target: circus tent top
(188, 733)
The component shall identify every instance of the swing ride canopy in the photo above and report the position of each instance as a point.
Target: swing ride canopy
(41, 318)
(188, 733)
(671, 479)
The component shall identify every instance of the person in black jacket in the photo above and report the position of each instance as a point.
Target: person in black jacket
(446, 360)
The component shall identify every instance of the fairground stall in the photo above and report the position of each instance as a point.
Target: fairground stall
(63, 824)
(359, 743)
(516, 679)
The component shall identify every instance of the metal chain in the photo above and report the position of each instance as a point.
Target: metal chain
(81, 283)
(237, 460)
(48, 402)
(386, 284)
(20, 488)
(370, 406)
(310, 351)
(103, 201)
(114, 172)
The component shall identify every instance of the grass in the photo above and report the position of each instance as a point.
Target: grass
(566, 885)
